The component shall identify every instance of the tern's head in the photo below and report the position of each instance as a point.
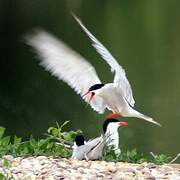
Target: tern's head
(93, 91)
(79, 140)
(113, 125)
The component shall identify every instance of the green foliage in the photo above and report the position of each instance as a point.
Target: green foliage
(133, 156)
(6, 163)
(1, 132)
(2, 177)
(56, 133)
(5, 177)
(55, 144)
(161, 159)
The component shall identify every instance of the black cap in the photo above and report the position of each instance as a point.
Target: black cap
(79, 140)
(95, 87)
(106, 122)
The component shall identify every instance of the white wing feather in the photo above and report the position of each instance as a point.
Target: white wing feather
(120, 76)
(64, 63)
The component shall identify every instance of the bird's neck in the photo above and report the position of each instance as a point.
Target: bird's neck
(112, 136)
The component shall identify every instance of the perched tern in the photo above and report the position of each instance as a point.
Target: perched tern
(79, 74)
(94, 149)
(110, 128)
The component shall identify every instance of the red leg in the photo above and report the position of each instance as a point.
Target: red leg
(112, 115)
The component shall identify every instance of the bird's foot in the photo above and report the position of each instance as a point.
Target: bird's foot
(112, 115)
(87, 159)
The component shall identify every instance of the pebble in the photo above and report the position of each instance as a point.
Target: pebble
(151, 178)
(8, 157)
(42, 167)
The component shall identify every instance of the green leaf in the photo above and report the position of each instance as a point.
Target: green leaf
(2, 177)
(24, 151)
(66, 122)
(6, 163)
(5, 141)
(50, 129)
(55, 132)
(17, 140)
(33, 142)
(1, 132)
(50, 145)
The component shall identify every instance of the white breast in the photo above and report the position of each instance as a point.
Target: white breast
(113, 98)
(113, 137)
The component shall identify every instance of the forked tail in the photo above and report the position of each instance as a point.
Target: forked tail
(134, 113)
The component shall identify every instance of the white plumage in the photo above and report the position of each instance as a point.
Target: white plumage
(64, 63)
(120, 76)
(72, 68)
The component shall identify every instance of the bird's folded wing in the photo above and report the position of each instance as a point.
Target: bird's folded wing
(63, 62)
(120, 76)
(94, 141)
(91, 144)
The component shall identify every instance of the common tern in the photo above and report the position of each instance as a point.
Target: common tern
(94, 149)
(79, 74)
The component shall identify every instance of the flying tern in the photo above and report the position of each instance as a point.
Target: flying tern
(94, 149)
(79, 74)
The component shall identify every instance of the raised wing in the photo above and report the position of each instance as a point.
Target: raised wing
(120, 76)
(64, 63)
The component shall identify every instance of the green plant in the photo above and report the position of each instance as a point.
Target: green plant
(57, 134)
(133, 156)
(53, 144)
(160, 159)
(2, 177)
(58, 143)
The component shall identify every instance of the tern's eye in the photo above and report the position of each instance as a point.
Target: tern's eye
(93, 93)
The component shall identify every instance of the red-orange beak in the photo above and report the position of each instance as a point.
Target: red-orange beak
(92, 95)
(123, 123)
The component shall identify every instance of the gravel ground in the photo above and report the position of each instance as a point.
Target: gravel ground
(42, 167)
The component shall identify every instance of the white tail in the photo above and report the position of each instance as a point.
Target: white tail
(134, 113)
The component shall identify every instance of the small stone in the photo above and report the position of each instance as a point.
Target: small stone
(139, 168)
(8, 157)
(14, 163)
(146, 170)
(81, 169)
(175, 166)
(50, 178)
(150, 178)
(130, 170)
(41, 158)
(26, 164)
(151, 165)
(18, 159)
(111, 168)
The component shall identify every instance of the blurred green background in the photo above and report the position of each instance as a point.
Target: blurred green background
(144, 36)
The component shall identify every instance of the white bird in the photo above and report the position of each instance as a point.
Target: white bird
(94, 149)
(72, 68)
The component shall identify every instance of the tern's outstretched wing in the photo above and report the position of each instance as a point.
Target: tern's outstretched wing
(120, 76)
(64, 63)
